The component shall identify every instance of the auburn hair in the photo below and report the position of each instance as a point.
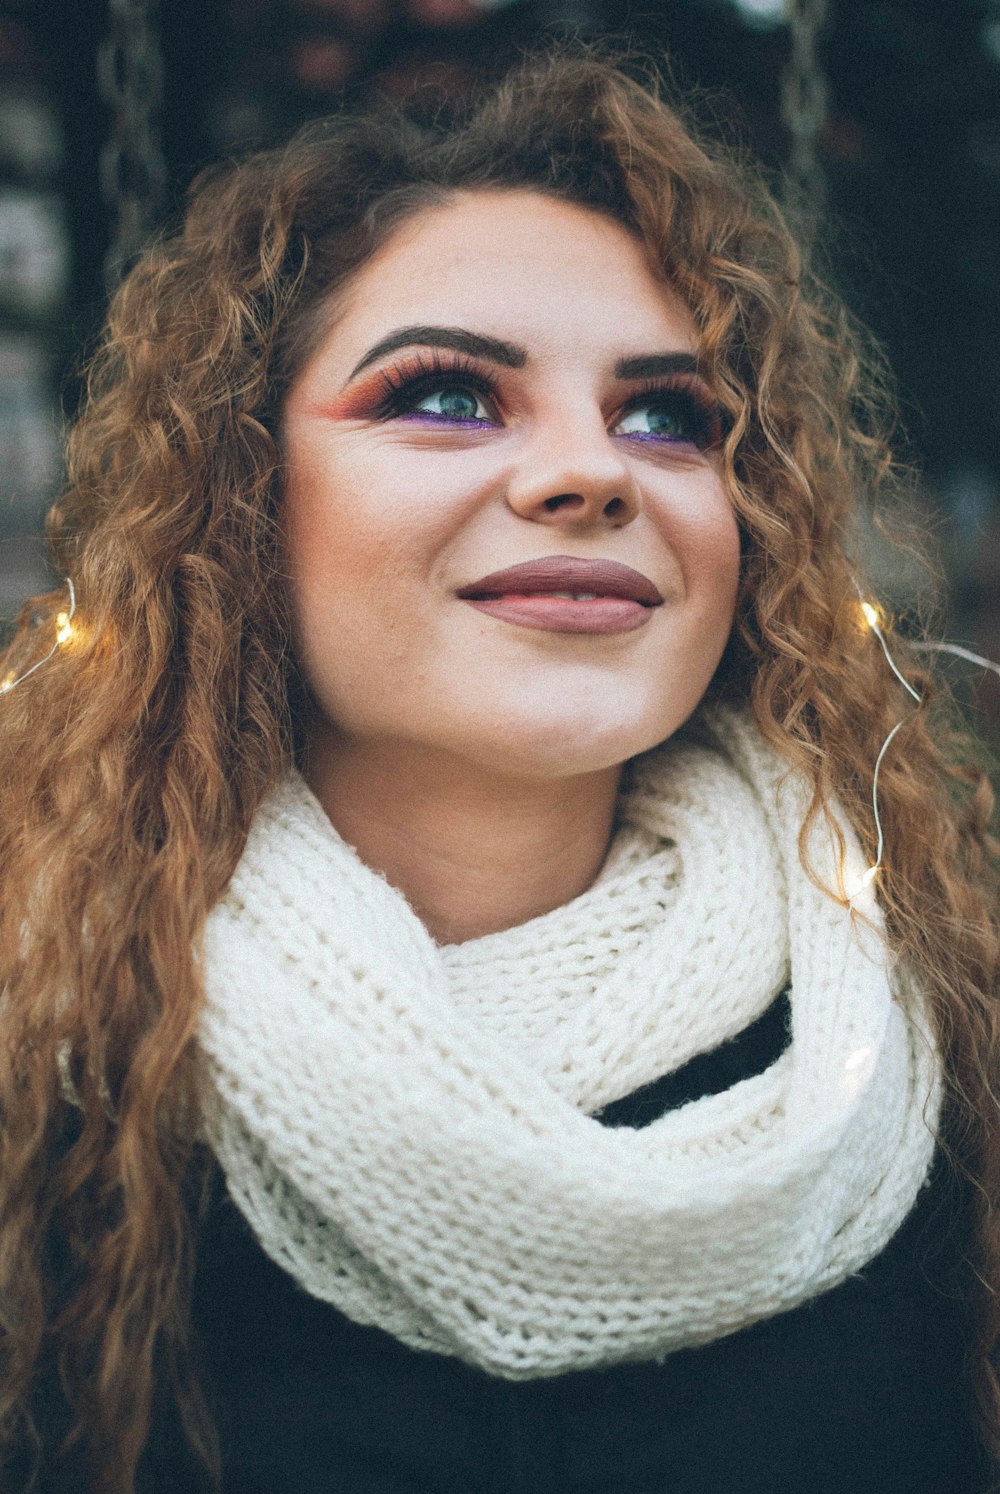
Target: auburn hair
(131, 765)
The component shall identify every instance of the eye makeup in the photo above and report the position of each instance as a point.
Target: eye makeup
(404, 386)
(392, 392)
(683, 410)
(691, 415)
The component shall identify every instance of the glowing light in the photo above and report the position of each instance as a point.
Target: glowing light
(64, 632)
(857, 1069)
(762, 13)
(855, 883)
(873, 618)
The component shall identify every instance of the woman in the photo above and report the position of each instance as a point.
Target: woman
(451, 1039)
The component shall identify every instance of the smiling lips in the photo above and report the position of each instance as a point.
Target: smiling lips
(564, 594)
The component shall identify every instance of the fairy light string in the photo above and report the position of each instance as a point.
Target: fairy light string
(853, 887)
(64, 632)
(960, 653)
(871, 616)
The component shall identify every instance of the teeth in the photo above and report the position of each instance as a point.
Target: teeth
(575, 596)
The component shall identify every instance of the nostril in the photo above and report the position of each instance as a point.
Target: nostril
(562, 499)
(614, 508)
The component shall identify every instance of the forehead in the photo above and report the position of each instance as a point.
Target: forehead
(521, 265)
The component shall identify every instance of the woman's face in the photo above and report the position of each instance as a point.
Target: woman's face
(507, 384)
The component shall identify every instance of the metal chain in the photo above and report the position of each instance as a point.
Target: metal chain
(132, 168)
(804, 97)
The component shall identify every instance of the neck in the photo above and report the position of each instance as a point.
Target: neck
(472, 852)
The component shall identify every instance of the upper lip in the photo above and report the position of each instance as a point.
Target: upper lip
(605, 578)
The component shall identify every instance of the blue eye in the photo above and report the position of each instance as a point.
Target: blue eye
(452, 403)
(654, 420)
(429, 389)
(677, 416)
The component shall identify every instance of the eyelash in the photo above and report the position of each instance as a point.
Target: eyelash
(406, 384)
(402, 387)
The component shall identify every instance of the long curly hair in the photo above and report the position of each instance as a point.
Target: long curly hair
(131, 765)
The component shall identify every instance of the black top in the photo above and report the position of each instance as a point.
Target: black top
(860, 1391)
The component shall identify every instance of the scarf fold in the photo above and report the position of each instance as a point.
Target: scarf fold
(408, 1129)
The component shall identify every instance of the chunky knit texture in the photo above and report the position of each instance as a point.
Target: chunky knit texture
(409, 1129)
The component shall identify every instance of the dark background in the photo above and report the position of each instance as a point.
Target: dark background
(910, 156)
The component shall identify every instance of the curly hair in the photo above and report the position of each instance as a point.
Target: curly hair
(133, 763)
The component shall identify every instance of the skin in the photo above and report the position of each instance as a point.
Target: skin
(473, 762)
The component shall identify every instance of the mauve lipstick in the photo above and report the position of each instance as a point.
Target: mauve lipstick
(608, 597)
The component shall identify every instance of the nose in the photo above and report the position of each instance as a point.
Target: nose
(572, 474)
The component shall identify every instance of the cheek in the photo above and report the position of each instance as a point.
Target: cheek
(379, 511)
(362, 533)
(342, 547)
(707, 541)
(723, 559)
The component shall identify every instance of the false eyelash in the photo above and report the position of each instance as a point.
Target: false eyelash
(422, 373)
(706, 414)
(403, 385)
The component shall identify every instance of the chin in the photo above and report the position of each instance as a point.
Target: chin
(564, 744)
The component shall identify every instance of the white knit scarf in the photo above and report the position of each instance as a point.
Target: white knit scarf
(409, 1129)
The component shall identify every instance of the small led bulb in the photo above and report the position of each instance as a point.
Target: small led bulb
(64, 627)
(854, 885)
(870, 614)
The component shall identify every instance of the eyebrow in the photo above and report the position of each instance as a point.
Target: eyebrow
(655, 365)
(510, 355)
(455, 339)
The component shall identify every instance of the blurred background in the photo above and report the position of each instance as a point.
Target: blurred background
(886, 113)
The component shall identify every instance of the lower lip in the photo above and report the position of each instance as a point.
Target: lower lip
(562, 615)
